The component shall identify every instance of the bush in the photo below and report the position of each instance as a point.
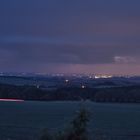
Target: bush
(46, 135)
(77, 131)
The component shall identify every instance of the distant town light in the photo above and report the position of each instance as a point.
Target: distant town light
(103, 76)
(83, 86)
(97, 77)
(66, 80)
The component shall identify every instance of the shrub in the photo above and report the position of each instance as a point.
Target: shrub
(77, 131)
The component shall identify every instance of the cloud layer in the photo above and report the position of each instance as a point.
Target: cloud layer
(51, 35)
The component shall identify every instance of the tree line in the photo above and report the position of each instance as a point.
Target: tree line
(114, 94)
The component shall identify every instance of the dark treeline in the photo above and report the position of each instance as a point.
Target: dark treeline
(118, 94)
(114, 94)
(34, 93)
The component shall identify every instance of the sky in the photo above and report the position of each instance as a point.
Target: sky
(70, 36)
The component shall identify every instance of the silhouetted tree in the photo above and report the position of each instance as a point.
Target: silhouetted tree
(77, 131)
(79, 126)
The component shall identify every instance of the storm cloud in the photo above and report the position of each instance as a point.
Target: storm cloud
(54, 36)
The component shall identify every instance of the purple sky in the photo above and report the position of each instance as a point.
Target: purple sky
(75, 36)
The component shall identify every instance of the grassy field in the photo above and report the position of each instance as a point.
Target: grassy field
(26, 120)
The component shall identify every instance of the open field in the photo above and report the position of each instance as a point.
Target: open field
(26, 120)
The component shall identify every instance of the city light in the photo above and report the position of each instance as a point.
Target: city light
(83, 86)
(66, 80)
(103, 76)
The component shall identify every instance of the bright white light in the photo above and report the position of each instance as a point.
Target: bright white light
(83, 86)
(103, 76)
(97, 77)
(66, 80)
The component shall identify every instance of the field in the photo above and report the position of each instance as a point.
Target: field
(26, 120)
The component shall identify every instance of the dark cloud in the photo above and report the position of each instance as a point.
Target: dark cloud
(46, 34)
(53, 50)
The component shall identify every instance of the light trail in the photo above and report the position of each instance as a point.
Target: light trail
(11, 100)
